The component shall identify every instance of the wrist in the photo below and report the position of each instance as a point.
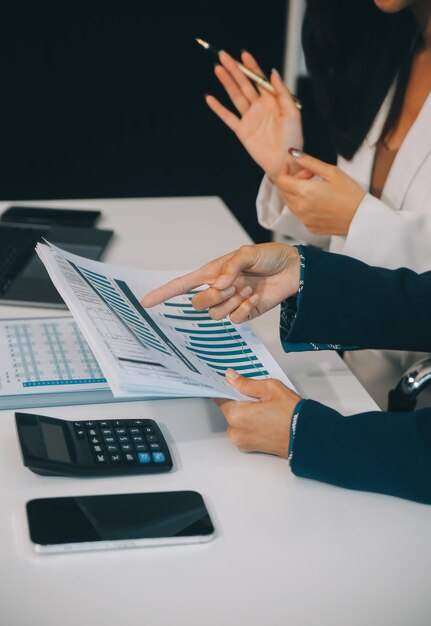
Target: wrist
(286, 162)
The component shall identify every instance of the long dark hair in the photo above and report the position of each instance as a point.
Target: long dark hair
(354, 52)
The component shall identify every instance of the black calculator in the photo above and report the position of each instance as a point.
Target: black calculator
(56, 447)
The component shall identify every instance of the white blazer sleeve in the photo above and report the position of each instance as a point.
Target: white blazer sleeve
(382, 236)
(273, 214)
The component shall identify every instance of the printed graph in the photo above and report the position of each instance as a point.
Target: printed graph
(50, 353)
(216, 343)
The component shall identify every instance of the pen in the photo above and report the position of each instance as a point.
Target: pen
(249, 73)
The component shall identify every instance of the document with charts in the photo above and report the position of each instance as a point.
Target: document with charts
(47, 362)
(167, 351)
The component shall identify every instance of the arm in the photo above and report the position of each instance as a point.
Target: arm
(382, 452)
(396, 239)
(346, 302)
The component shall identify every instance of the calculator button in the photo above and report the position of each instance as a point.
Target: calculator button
(137, 438)
(104, 424)
(94, 440)
(97, 449)
(80, 433)
(121, 431)
(124, 439)
(117, 423)
(107, 431)
(129, 457)
(90, 424)
(141, 447)
(135, 422)
(115, 458)
(112, 448)
(78, 424)
(126, 447)
(109, 439)
(148, 430)
(152, 439)
(92, 432)
(155, 446)
(158, 457)
(100, 458)
(144, 457)
(135, 431)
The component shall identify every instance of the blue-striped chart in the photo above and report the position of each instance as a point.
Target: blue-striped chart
(120, 299)
(217, 343)
(48, 353)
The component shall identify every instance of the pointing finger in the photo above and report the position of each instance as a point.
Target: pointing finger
(206, 274)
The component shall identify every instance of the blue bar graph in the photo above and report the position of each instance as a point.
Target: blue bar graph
(129, 310)
(216, 342)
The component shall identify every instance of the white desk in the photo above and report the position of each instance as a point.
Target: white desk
(288, 550)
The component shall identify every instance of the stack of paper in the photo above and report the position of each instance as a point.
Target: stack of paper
(170, 350)
(46, 361)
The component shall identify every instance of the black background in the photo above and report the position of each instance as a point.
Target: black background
(107, 100)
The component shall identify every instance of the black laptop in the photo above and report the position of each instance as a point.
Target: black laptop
(23, 278)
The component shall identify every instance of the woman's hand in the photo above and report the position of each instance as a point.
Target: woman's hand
(268, 124)
(327, 206)
(242, 284)
(260, 426)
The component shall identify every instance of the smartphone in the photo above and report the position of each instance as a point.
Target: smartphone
(131, 520)
(42, 216)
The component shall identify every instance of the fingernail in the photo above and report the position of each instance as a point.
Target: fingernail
(216, 65)
(245, 292)
(296, 153)
(228, 292)
(275, 72)
(231, 374)
(243, 50)
(254, 298)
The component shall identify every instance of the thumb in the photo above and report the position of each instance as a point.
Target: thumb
(247, 386)
(318, 168)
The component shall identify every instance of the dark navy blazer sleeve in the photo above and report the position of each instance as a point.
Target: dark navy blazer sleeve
(345, 302)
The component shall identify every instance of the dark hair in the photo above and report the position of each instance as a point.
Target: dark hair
(354, 52)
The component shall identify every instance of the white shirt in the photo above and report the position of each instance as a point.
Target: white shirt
(393, 231)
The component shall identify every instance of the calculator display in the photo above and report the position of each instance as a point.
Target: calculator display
(55, 442)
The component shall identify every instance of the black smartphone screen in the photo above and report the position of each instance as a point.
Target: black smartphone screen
(47, 216)
(118, 517)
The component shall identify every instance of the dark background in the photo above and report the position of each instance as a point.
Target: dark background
(107, 101)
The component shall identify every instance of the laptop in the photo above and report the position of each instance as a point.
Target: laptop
(23, 278)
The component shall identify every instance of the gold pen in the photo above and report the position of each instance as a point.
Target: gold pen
(249, 73)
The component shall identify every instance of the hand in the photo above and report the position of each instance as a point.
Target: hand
(268, 124)
(243, 284)
(327, 206)
(260, 426)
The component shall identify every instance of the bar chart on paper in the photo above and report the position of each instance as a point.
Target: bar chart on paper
(168, 351)
(216, 343)
(43, 357)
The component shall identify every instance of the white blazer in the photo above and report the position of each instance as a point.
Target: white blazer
(393, 231)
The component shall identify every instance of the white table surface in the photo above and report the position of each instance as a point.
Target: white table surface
(287, 551)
